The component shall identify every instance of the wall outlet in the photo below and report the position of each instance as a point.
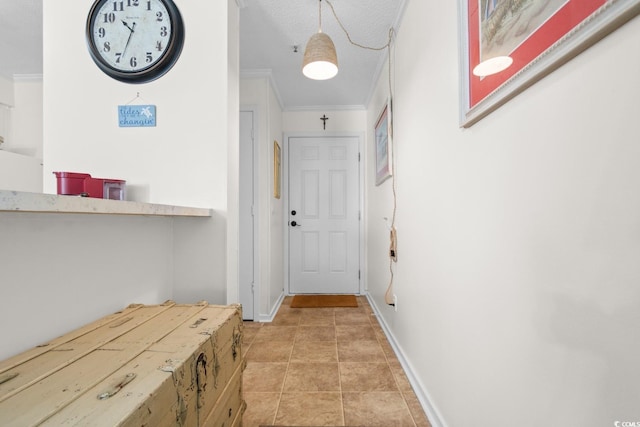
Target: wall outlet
(395, 302)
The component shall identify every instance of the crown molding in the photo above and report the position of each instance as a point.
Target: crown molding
(325, 108)
(264, 73)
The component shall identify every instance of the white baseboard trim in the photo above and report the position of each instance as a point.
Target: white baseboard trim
(269, 317)
(421, 392)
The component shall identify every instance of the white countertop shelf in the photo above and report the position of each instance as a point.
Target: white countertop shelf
(16, 201)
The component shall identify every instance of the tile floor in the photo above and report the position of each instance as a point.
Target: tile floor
(325, 367)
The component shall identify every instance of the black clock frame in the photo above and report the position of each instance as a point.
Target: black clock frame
(154, 71)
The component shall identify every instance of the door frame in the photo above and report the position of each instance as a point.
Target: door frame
(256, 290)
(285, 194)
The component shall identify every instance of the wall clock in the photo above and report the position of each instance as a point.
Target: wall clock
(135, 41)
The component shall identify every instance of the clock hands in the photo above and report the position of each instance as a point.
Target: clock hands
(127, 25)
(132, 30)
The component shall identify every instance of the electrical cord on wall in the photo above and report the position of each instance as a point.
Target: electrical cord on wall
(393, 237)
(393, 245)
(389, 298)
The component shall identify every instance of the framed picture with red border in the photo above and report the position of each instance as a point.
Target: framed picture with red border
(383, 145)
(538, 35)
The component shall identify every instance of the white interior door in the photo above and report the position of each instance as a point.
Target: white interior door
(246, 238)
(324, 216)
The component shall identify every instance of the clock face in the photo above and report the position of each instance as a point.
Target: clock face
(135, 41)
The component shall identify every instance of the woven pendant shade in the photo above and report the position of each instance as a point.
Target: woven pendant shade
(320, 60)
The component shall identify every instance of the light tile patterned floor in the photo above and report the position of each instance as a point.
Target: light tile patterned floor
(325, 367)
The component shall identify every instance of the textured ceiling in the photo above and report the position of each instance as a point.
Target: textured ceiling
(269, 30)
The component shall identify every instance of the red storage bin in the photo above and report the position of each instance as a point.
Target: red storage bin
(71, 183)
(82, 184)
(102, 188)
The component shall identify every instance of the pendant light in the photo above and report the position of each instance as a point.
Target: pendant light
(320, 60)
(492, 66)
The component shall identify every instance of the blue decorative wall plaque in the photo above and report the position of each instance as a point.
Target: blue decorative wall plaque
(136, 116)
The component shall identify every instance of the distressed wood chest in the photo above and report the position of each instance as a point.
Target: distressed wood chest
(147, 365)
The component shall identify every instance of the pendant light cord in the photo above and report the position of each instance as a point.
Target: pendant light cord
(388, 296)
(349, 36)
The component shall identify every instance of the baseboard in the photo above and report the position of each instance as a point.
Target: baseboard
(269, 317)
(421, 392)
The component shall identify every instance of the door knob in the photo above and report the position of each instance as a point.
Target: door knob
(295, 224)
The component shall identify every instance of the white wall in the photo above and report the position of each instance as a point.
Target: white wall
(20, 173)
(277, 213)
(257, 93)
(6, 92)
(6, 103)
(379, 204)
(200, 260)
(21, 127)
(339, 121)
(183, 160)
(26, 118)
(518, 272)
(66, 270)
(60, 271)
(232, 95)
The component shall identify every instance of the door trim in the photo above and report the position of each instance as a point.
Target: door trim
(285, 194)
(256, 209)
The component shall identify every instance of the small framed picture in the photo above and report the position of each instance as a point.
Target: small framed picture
(383, 145)
(276, 170)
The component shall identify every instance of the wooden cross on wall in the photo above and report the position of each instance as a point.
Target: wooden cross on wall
(324, 119)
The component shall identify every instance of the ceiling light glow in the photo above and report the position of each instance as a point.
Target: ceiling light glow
(492, 66)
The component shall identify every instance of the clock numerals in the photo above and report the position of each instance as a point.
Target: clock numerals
(109, 18)
(149, 58)
(159, 47)
(133, 61)
(106, 47)
(118, 6)
(159, 16)
(101, 32)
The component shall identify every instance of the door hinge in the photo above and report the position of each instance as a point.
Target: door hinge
(253, 287)
(358, 156)
(358, 274)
